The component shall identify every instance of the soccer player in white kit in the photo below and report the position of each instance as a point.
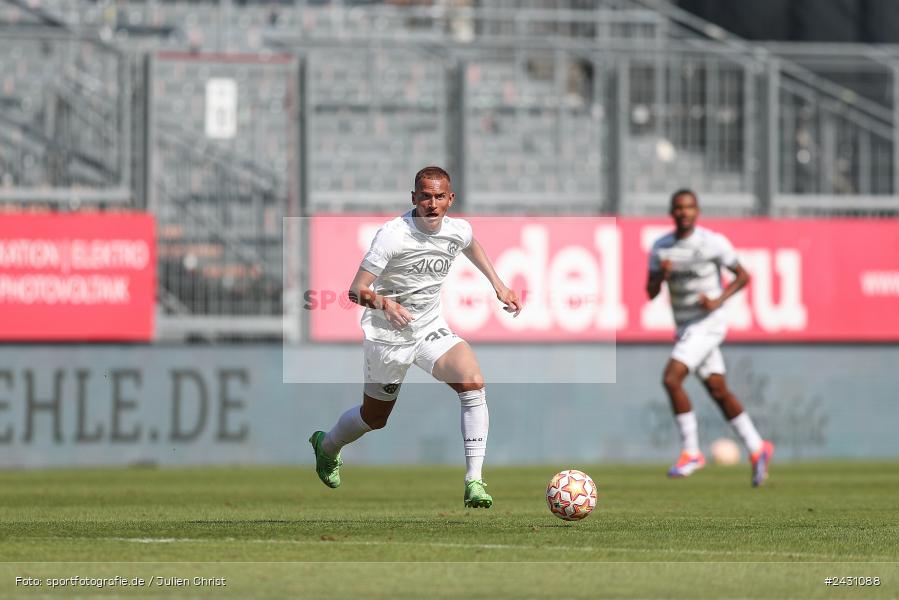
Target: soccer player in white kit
(399, 284)
(689, 259)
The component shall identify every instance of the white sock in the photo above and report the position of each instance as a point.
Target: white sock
(349, 428)
(744, 427)
(689, 432)
(475, 423)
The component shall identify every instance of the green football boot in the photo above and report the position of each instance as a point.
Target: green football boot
(476, 496)
(328, 468)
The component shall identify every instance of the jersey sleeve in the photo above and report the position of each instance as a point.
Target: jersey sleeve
(467, 234)
(655, 263)
(725, 255)
(384, 246)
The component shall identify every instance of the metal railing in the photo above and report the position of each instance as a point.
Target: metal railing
(219, 211)
(819, 138)
(65, 119)
(536, 111)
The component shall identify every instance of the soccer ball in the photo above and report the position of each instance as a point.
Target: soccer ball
(571, 495)
(725, 452)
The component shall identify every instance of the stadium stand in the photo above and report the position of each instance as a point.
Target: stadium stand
(63, 114)
(373, 116)
(220, 201)
(537, 106)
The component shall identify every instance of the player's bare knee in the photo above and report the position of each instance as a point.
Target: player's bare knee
(672, 381)
(376, 419)
(377, 422)
(473, 381)
(376, 410)
(717, 389)
(719, 394)
(474, 397)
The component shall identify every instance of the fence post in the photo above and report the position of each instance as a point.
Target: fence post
(895, 136)
(618, 130)
(456, 119)
(769, 156)
(301, 169)
(150, 198)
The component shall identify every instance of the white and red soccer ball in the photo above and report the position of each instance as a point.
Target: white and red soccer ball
(571, 495)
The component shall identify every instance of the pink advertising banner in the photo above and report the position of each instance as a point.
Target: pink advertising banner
(583, 279)
(77, 277)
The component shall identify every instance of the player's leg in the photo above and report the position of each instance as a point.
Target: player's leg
(385, 369)
(690, 458)
(375, 411)
(451, 360)
(760, 451)
(356, 422)
(673, 380)
(694, 342)
(459, 369)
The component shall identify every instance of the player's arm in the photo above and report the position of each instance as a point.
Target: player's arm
(361, 293)
(741, 278)
(656, 277)
(475, 253)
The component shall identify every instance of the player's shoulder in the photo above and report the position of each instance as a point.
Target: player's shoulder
(457, 225)
(393, 231)
(709, 236)
(399, 222)
(666, 241)
(399, 226)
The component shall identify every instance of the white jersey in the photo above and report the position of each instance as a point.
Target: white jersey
(696, 263)
(411, 266)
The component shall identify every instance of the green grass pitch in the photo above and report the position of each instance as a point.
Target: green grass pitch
(402, 532)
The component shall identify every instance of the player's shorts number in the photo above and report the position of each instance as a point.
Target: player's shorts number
(437, 334)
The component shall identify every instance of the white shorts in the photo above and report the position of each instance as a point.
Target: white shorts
(698, 344)
(386, 364)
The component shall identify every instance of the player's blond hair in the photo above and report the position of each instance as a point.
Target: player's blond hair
(432, 172)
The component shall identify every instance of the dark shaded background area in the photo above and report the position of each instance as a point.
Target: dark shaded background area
(868, 21)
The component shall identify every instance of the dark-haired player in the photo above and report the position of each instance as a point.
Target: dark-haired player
(689, 260)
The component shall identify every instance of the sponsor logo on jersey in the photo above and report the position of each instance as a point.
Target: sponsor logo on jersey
(685, 274)
(440, 266)
(453, 248)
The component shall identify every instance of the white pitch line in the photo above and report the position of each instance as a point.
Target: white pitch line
(502, 547)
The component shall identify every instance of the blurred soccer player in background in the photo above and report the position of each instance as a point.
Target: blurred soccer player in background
(689, 259)
(399, 283)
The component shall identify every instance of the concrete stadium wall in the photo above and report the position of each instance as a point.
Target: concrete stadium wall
(181, 405)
